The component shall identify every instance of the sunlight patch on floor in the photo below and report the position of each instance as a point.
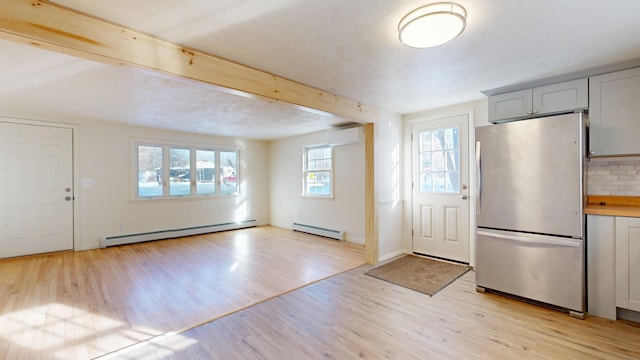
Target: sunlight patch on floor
(47, 327)
(60, 330)
(171, 343)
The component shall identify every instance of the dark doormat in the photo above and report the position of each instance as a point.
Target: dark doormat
(421, 274)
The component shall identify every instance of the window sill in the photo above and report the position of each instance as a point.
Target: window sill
(182, 198)
(318, 197)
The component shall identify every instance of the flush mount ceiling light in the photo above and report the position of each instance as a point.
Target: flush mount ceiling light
(432, 24)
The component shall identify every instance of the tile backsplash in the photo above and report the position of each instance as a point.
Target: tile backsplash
(615, 177)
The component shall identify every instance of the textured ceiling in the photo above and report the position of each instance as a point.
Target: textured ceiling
(349, 48)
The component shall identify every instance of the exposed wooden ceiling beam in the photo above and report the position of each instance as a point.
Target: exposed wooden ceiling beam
(49, 26)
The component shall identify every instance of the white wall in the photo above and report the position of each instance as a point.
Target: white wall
(389, 192)
(104, 156)
(344, 212)
(270, 176)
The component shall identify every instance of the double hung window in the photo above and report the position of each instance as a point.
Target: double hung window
(318, 171)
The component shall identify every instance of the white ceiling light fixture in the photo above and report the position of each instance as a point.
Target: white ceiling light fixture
(432, 24)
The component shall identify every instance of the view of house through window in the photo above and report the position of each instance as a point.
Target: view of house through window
(318, 171)
(179, 172)
(149, 167)
(440, 161)
(205, 172)
(228, 177)
(191, 171)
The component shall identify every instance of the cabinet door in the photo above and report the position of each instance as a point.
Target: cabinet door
(628, 263)
(601, 285)
(511, 105)
(561, 97)
(614, 113)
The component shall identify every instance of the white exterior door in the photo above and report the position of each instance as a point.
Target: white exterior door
(36, 192)
(441, 188)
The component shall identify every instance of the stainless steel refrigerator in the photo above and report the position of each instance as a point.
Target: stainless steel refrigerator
(529, 207)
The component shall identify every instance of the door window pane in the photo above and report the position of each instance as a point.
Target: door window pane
(205, 172)
(440, 161)
(228, 172)
(425, 141)
(179, 172)
(149, 171)
(426, 182)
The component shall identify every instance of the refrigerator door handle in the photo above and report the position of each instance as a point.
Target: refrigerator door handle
(478, 179)
(538, 239)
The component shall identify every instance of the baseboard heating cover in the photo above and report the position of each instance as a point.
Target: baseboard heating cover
(169, 234)
(315, 230)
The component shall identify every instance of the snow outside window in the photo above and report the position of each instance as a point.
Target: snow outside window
(192, 171)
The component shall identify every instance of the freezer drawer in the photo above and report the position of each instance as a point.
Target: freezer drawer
(538, 267)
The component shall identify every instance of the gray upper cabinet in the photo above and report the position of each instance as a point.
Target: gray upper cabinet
(542, 100)
(513, 105)
(614, 113)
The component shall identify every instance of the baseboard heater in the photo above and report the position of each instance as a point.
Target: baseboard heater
(315, 230)
(169, 234)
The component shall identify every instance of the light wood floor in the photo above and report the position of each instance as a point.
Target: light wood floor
(81, 305)
(354, 316)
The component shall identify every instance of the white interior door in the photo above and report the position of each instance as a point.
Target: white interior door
(440, 177)
(36, 192)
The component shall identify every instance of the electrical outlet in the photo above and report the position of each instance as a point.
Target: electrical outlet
(121, 227)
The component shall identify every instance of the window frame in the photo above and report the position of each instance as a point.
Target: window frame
(166, 147)
(305, 172)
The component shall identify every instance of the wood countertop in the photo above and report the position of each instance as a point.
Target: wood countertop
(613, 205)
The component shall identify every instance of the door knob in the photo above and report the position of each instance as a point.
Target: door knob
(67, 198)
(464, 197)
(464, 187)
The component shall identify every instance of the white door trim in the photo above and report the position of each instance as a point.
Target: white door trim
(75, 152)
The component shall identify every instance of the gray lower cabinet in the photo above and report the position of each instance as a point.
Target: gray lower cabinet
(613, 265)
(628, 263)
(614, 113)
(542, 100)
(601, 281)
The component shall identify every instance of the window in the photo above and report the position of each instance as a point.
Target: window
(318, 171)
(192, 172)
(228, 177)
(205, 172)
(440, 161)
(149, 170)
(179, 172)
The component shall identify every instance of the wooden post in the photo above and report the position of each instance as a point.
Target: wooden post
(370, 212)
